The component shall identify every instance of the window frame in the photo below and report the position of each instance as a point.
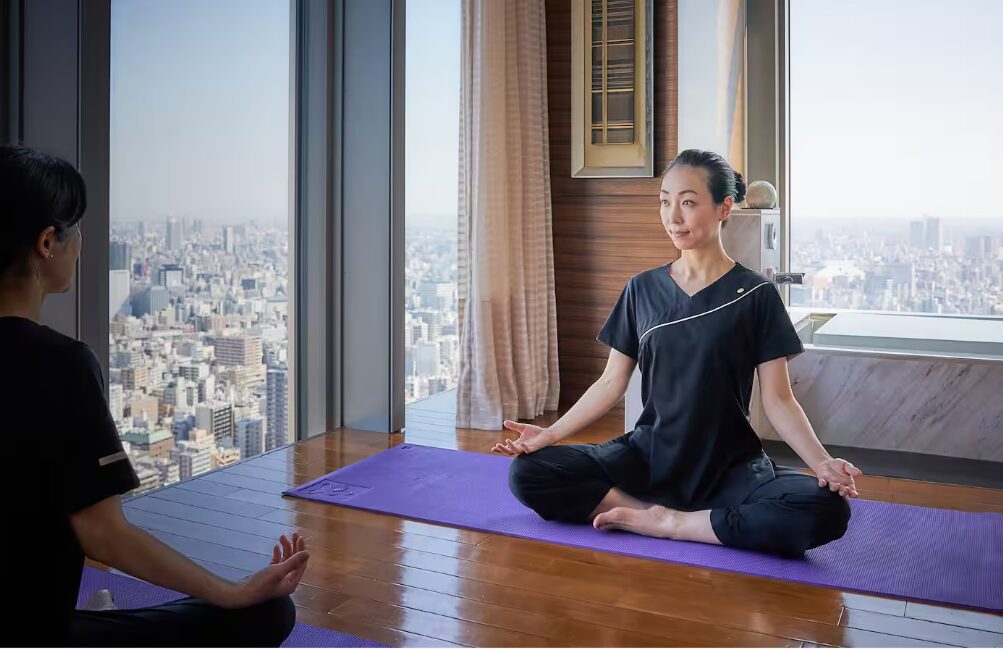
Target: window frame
(65, 44)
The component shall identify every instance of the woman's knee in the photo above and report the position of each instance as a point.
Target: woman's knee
(526, 480)
(836, 516)
(828, 519)
(552, 489)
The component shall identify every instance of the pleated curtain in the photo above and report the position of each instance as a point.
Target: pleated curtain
(507, 305)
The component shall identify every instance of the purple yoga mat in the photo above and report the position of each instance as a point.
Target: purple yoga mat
(131, 593)
(936, 555)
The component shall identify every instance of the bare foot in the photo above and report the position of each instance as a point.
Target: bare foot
(657, 521)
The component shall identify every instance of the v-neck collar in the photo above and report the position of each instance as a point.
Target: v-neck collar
(668, 273)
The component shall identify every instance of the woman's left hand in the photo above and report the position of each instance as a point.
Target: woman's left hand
(838, 475)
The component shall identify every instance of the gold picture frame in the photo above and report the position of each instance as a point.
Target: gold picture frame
(611, 89)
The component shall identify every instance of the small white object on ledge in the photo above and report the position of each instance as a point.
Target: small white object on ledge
(760, 195)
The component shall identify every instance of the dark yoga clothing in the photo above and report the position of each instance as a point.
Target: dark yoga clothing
(786, 515)
(693, 446)
(63, 455)
(185, 623)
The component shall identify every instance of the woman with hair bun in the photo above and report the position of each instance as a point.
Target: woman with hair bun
(693, 468)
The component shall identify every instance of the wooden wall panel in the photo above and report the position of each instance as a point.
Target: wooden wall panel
(605, 229)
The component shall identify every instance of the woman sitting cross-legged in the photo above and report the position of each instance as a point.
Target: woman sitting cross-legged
(692, 468)
(65, 468)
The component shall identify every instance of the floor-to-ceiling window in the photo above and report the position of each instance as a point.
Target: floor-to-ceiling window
(199, 253)
(894, 138)
(431, 148)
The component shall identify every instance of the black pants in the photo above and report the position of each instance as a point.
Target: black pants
(185, 623)
(787, 515)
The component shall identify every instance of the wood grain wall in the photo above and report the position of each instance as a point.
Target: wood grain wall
(605, 229)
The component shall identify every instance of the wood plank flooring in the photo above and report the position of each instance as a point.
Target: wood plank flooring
(408, 583)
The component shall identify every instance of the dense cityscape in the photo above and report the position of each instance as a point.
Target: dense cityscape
(198, 360)
(199, 368)
(927, 265)
(431, 332)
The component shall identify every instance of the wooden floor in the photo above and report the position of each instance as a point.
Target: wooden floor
(407, 583)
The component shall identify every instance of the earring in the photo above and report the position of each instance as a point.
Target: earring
(50, 255)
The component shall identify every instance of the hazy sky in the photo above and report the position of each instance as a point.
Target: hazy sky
(432, 100)
(895, 107)
(200, 108)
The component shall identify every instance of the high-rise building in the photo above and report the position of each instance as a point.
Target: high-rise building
(194, 372)
(979, 248)
(217, 418)
(194, 455)
(171, 276)
(183, 424)
(116, 401)
(134, 378)
(228, 240)
(934, 233)
(277, 432)
(173, 233)
(176, 394)
(153, 300)
(224, 456)
(168, 470)
(127, 358)
(119, 256)
(119, 285)
(437, 295)
(207, 388)
(238, 350)
(426, 359)
(155, 443)
(250, 436)
(917, 234)
(143, 407)
(149, 478)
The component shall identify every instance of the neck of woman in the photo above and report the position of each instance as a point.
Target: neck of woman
(707, 263)
(21, 297)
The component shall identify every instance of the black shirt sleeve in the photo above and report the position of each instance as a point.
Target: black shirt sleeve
(91, 462)
(620, 330)
(775, 334)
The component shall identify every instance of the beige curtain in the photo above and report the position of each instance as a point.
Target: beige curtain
(507, 307)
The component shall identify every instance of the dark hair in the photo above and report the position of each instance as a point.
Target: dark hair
(37, 191)
(722, 180)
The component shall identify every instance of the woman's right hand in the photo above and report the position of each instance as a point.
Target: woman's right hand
(531, 438)
(278, 579)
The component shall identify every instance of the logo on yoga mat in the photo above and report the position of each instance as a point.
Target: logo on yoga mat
(336, 491)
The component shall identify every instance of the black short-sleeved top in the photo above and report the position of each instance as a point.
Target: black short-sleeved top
(697, 357)
(61, 454)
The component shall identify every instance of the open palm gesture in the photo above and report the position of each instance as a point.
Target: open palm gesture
(531, 438)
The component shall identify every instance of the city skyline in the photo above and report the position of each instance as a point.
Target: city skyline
(198, 353)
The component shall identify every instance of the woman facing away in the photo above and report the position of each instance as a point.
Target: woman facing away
(693, 468)
(65, 467)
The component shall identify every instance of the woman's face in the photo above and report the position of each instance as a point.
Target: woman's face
(56, 271)
(688, 212)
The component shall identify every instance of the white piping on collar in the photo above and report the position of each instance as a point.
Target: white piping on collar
(666, 324)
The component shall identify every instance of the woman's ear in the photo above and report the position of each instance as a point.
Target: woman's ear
(726, 206)
(45, 242)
